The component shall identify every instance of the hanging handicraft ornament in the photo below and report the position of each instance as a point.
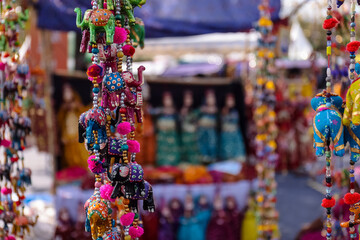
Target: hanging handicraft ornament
(111, 32)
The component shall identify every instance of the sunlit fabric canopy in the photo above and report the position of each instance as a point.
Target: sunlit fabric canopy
(167, 18)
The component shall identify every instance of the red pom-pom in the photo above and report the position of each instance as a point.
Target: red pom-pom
(136, 232)
(326, 203)
(94, 71)
(14, 159)
(5, 143)
(10, 237)
(353, 46)
(134, 146)
(120, 35)
(6, 191)
(124, 128)
(6, 55)
(351, 198)
(128, 50)
(330, 23)
(127, 219)
(106, 191)
(95, 166)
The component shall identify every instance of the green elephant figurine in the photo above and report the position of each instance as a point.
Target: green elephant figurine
(128, 9)
(13, 18)
(137, 33)
(97, 21)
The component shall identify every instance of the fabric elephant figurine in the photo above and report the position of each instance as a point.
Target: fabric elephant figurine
(22, 76)
(93, 120)
(97, 21)
(98, 214)
(327, 123)
(137, 33)
(128, 9)
(86, 208)
(356, 210)
(25, 177)
(21, 224)
(134, 100)
(13, 18)
(351, 135)
(352, 109)
(113, 85)
(20, 128)
(129, 182)
(145, 194)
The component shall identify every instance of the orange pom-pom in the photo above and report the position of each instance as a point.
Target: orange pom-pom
(351, 198)
(353, 46)
(328, 203)
(330, 23)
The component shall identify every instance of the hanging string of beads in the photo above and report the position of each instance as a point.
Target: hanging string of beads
(324, 140)
(15, 126)
(352, 198)
(265, 119)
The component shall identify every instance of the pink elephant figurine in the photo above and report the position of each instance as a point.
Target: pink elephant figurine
(133, 94)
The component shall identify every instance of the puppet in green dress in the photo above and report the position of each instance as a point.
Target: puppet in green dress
(231, 140)
(189, 142)
(168, 149)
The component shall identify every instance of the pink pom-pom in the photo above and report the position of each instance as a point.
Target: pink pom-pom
(136, 232)
(2, 66)
(120, 35)
(124, 128)
(134, 146)
(106, 191)
(127, 219)
(95, 166)
(5, 143)
(10, 237)
(128, 50)
(6, 191)
(95, 71)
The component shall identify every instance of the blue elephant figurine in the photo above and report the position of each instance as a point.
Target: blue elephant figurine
(90, 123)
(327, 123)
(351, 134)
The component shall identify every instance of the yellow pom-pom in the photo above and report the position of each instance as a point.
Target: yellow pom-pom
(265, 22)
(271, 54)
(270, 85)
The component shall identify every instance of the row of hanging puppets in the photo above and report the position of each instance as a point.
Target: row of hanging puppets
(108, 128)
(336, 123)
(14, 123)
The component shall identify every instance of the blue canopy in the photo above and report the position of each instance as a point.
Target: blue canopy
(167, 18)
